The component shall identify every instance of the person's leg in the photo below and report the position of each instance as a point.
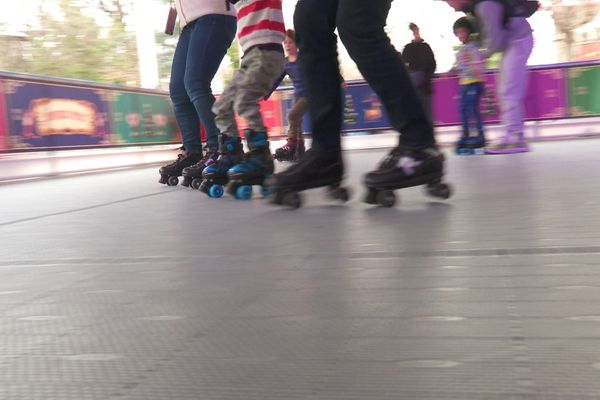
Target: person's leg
(315, 21)
(210, 37)
(512, 86)
(464, 110)
(184, 110)
(416, 160)
(361, 29)
(295, 141)
(257, 75)
(476, 113)
(261, 70)
(295, 116)
(223, 107)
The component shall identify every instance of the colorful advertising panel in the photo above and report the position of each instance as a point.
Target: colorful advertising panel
(546, 95)
(363, 110)
(3, 121)
(584, 96)
(55, 116)
(142, 118)
(545, 98)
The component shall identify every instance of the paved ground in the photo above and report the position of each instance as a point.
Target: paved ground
(115, 287)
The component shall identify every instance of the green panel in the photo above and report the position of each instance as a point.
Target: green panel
(584, 91)
(143, 118)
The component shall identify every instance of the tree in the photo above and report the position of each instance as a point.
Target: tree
(569, 15)
(14, 47)
(73, 45)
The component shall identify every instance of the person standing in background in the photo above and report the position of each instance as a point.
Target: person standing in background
(208, 28)
(421, 65)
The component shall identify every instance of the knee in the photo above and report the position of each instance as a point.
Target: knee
(196, 86)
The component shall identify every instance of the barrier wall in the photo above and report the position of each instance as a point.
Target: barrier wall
(39, 113)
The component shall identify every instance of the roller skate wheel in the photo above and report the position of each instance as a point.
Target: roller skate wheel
(172, 181)
(292, 199)
(276, 198)
(439, 190)
(196, 183)
(386, 198)
(204, 187)
(339, 193)
(371, 197)
(243, 192)
(216, 191)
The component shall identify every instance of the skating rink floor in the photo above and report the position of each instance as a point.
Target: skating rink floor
(115, 287)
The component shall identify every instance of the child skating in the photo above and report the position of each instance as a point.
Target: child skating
(294, 147)
(470, 67)
(260, 33)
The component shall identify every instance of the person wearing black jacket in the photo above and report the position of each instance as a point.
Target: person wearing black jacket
(421, 65)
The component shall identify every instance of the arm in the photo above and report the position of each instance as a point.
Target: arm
(490, 15)
(275, 85)
(431, 64)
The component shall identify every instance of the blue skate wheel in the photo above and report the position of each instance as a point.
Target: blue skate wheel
(216, 191)
(244, 192)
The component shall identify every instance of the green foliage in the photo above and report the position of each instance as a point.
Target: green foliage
(74, 45)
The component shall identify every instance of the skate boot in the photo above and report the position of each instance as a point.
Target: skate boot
(406, 168)
(316, 168)
(215, 177)
(474, 145)
(170, 173)
(461, 145)
(509, 144)
(253, 169)
(193, 174)
(290, 151)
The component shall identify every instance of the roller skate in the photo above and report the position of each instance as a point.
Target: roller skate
(471, 145)
(170, 173)
(509, 144)
(254, 168)
(404, 168)
(215, 177)
(316, 168)
(290, 151)
(193, 174)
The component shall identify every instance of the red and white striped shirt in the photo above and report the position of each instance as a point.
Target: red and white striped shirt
(259, 22)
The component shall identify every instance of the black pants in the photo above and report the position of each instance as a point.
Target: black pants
(360, 24)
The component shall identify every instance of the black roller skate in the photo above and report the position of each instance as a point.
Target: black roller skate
(405, 168)
(290, 151)
(470, 145)
(255, 167)
(193, 174)
(215, 176)
(315, 169)
(170, 173)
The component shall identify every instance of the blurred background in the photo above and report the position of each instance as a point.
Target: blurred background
(121, 41)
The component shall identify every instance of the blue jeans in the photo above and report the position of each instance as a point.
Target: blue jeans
(202, 45)
(469, 106)
(360, 24)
